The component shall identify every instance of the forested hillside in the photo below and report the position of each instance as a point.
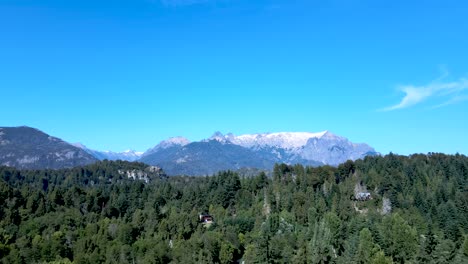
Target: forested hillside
(414, 210)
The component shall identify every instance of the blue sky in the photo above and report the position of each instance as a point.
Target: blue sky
(127, 74)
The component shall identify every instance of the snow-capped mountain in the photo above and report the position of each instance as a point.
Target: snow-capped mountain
(324, 147)
(128, 155)
(261, 151)
(25, 147)
(168, 143)
(332, 149)
(285, 140)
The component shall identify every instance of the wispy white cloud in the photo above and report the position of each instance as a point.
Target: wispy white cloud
(448, 92)
(454, 100)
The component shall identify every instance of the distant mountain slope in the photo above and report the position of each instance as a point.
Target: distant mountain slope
(323, 147)
(260, 151)
(29, 148)
(129, 155)
(206, 158)
(333, 150)
(166, 144)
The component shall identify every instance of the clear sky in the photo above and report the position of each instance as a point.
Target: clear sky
(127, 74)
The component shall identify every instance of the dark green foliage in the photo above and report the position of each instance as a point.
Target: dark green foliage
(96, 214)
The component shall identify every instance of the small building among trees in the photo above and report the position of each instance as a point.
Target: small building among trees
(206, 218)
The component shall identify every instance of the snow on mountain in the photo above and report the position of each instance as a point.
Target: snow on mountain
(285, 140)
(324, 147)
(30, 148)
(181, 141)
(332, 149)
(218, 136)
(223, 152)
(128, 155)
(168, 143)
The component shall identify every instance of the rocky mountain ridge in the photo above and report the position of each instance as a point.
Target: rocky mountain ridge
(29, 148)
(260, 151)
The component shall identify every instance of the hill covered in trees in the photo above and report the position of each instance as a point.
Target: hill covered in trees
(120, 212)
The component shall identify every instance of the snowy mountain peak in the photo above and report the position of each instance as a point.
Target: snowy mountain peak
(128, 152)
(287, 140)
(131, 151)
(218, 136)
(170, 142)
(129, 155)
(330, 135)
(174, 141)
(261, 151)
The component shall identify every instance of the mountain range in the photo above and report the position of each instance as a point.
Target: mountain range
(261, 151)
(29, 148)
(128, 155)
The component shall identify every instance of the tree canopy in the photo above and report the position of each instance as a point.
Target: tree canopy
(418, 213)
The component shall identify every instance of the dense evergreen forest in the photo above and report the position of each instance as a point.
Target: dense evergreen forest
(120, 212)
